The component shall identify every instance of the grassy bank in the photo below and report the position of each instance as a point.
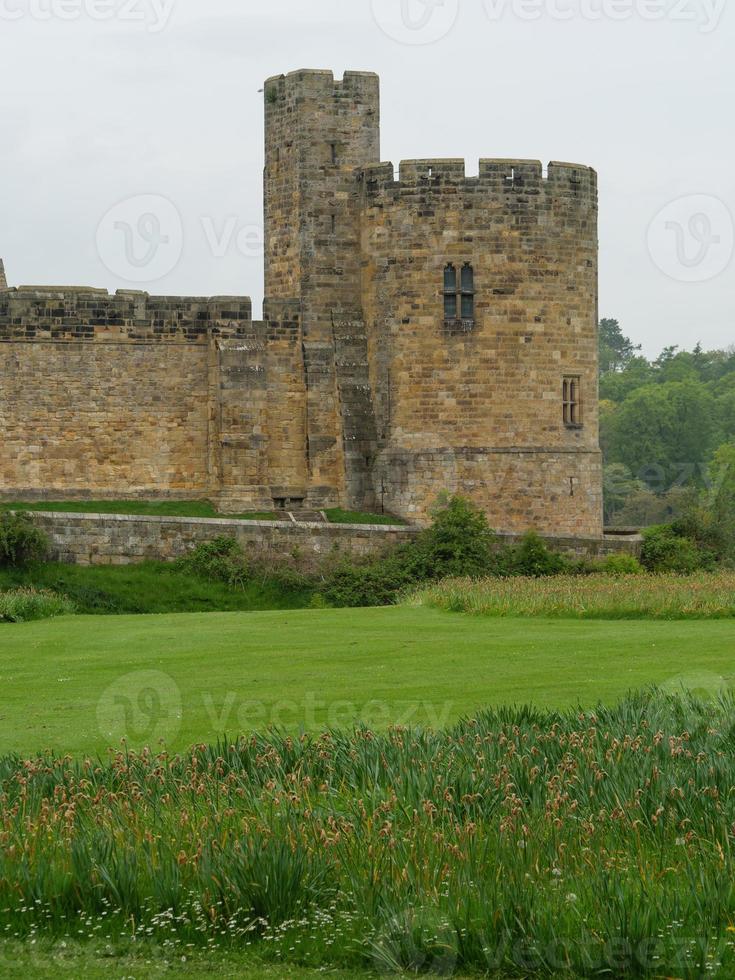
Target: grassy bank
(183, 508)
(152, 587)
(699, 596)
(520, 842)
(79, 684)
(145, 508)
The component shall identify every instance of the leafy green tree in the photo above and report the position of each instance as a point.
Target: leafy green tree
(619, 485)
(722, 495)
(616, 350)
(664, 433)
(616, 386)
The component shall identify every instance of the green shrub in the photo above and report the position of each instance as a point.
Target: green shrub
(665, 551)
(621, 565)
(221, 560)
(24, 605)
(458, 543)
(377, 584)
(533, 558)
(20, 540)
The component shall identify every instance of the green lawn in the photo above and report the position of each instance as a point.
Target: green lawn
(337, 516)
(79, 684)
(47, 961)
(183, 508)
(145, 508)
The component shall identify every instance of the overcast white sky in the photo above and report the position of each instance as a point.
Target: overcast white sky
(106, 100)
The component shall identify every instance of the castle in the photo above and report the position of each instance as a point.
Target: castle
(432, 333)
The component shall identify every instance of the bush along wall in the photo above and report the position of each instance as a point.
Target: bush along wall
(459, 544)
(20, 540)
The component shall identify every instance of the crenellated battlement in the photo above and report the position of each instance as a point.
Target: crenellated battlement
(509, 177)
(79, 312)
(320, 83)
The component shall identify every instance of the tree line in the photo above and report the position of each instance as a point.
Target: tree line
(667, 428)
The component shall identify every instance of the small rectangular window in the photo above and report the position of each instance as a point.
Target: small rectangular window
(333, 151)
(459, 294)
(572, 401)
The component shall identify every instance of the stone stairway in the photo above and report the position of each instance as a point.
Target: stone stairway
(308, 517)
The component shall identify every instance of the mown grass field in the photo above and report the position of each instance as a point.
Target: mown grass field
(78, 684)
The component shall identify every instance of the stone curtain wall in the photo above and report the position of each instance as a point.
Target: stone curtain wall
(131, 395)
(90, 539)
(92, 418)
(477, 408)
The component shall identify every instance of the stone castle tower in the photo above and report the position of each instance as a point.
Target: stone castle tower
(433, 333)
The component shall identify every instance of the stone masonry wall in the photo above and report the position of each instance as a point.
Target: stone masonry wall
(112, 395)
(476, 407)
(94, 539)
(133, 395)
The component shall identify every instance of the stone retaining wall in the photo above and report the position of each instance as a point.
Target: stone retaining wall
(110, 539)
(579, 547)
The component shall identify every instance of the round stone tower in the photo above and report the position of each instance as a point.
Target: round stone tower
(480, 303)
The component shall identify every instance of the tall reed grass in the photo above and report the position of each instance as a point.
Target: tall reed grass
(698, 596)
(519, 842)
(26, 604)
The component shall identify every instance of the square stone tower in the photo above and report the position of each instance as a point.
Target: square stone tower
(318, 133)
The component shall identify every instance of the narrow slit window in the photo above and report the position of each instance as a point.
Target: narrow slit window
(333, 151)
(468, 292)
(450, 293)
(572, 401)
